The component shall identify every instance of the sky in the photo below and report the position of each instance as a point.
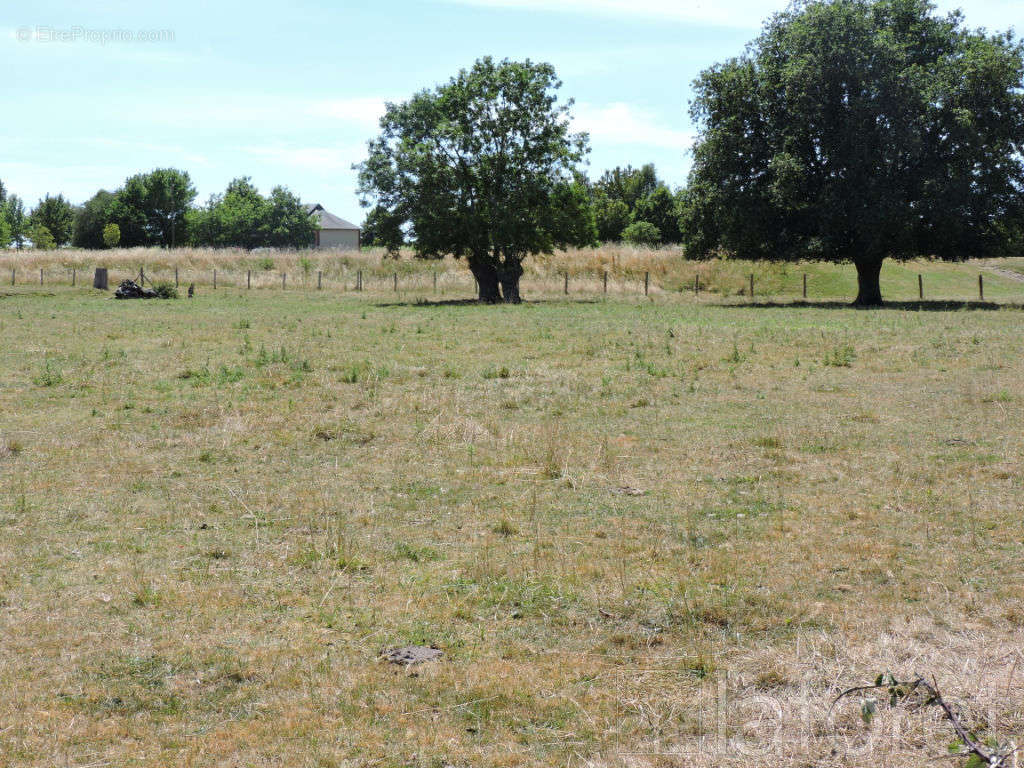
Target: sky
(289, 93)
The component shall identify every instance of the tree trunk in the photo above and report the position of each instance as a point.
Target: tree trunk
(869, 292)
(509, 276)
(486, 279)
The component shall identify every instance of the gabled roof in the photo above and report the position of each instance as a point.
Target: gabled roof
(329, 220)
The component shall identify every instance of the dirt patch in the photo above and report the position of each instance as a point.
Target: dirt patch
(412, 654)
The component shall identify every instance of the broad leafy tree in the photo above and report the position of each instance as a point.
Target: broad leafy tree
(169, 193)
(58, 217)
(629, 184)
(13, 212)
(476, 168)
(383, 229)
(5, 226)
(642, 233)
(243, 218)
(150, 208)
(661, 209)
(623, 196)
(231, 219)
(130, 214)
(611, 216)
(286, 223)
(91, 218)
(856, 130)
(41, 236)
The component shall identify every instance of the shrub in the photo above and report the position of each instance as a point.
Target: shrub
(111, 235)
(42, 239)
(165, 291)
(642, 233)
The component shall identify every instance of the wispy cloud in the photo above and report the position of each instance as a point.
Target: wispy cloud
(316, 158)
(626, 124)
(365, 112)
(725, 13)
(738, 14)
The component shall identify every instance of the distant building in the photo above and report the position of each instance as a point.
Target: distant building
(334, 232)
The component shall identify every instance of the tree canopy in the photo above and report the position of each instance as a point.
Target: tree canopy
(244, 218)
(475, 168)
(12, 211)
(150, 208)
(855, 130)
(383, 229)
(42, 238)
(57, 216)
(91, 219)
(625, 196)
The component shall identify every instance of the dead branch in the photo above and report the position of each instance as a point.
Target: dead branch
(902, 692)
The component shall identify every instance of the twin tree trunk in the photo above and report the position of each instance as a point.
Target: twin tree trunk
(869, 292)
(497, 283)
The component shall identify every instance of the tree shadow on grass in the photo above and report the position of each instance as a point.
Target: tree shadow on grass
(901, 306)
(441, 303)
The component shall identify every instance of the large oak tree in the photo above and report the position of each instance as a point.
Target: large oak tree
(855, 130)
(482, 167)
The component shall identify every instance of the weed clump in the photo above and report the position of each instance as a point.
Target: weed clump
(840, 356)
(165, 291)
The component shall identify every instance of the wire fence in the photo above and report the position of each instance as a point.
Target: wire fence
(440, 283)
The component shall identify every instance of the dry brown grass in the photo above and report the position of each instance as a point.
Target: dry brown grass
(666, 271)
(644, 533)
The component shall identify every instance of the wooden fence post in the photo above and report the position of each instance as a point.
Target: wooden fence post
(396, 282)
(751, 286)
(248, 280)
(647, 282)
(73, 276)
(215, 279)
(142, 275)
(981, 287)
(920, 287)
(805, 285)
(99, 280)
(319, 280)
(567, 283)
(606, 281)
(435, 281)
(696, 285)
(175, 277)
(40, 275)
(12, 275)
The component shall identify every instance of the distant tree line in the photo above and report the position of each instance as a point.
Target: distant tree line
(625, 204)
(156, 209)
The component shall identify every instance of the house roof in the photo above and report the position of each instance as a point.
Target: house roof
(329, 220)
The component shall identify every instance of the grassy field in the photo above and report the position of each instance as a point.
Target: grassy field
(656, 532)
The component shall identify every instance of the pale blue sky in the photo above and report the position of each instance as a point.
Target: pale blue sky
(290, 93)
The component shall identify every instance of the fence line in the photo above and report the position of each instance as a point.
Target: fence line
(439, 283)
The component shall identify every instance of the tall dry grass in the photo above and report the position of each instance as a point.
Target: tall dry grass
(666, 268)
